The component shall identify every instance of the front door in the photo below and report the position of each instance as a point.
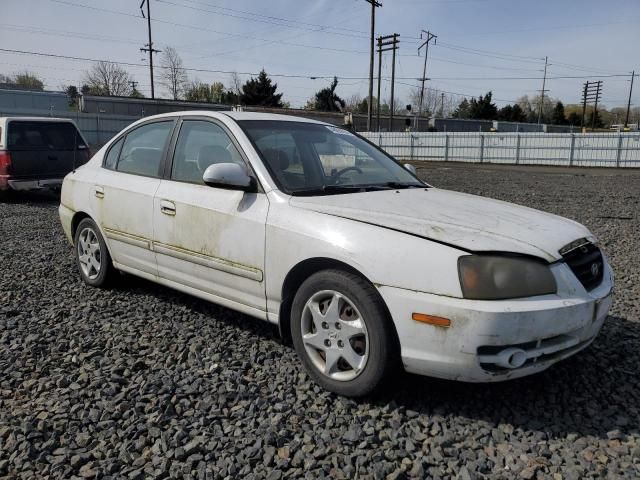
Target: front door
(210, 239)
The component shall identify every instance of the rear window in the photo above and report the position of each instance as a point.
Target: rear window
(43, 136)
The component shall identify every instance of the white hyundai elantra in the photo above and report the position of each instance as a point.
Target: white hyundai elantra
(360, 263)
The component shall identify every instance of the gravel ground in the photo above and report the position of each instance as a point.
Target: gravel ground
(140, 381)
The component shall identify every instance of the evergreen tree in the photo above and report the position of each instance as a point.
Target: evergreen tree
(260, 91)
(463, 110)
(598, 123)
(326, 100)
(73, 94)
(574, 119)
(482, 108)
(558, 117)
(517, 114)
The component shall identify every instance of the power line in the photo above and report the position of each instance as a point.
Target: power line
(281, 22)
(285, 75)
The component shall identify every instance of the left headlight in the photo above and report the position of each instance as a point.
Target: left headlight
(497, 277)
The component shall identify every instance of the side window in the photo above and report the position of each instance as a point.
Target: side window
(143, 147)
(200, 144)
(111, 159)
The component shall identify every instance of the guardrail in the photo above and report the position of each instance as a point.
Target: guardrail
(561, 149)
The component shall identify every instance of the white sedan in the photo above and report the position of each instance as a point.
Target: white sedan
(360, 263)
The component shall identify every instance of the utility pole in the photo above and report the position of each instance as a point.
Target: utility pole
(585, 89)
(626, 119)
(430, 36)
(386, 43)
(591, 93)
(544, 81)
(595, 108)
(379, 82)
(374, 5)
(442, 105)
(149, 46)
(393, 79)
(133, 84)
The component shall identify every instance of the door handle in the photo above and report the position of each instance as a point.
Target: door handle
(98, 191)
(167, 207)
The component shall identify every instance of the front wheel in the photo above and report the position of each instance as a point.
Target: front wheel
(92, 256)
(342, 333)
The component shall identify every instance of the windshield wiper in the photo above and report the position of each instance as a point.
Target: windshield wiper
(328, 190)
(399, 185)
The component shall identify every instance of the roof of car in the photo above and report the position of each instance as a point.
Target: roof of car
(239, 116)
(38, 119)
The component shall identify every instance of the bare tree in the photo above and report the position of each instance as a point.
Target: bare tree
(236, 84)
(174, 75)
(108, 79)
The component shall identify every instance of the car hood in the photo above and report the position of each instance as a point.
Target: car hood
(466, 221)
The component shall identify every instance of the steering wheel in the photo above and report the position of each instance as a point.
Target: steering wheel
(339, 173)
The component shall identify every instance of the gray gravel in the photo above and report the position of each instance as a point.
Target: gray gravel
(142, 382)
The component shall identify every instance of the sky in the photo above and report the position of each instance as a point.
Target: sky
(482, 45)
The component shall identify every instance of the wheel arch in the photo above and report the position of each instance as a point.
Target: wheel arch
(303, 270)
(75, 221)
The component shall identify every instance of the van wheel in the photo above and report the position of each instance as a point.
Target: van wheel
(342, 333)
(92, 256)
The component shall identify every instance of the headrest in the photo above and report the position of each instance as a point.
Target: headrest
(278, 159)
(210, 154)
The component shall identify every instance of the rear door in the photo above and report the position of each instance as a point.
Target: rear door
(41, 149)
(124, 190)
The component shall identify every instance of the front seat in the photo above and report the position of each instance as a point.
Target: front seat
(278, 160)
(210, 154)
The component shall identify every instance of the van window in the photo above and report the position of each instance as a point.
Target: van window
(43, 136)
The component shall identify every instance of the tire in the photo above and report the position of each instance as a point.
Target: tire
(92, 256)
(357, 333)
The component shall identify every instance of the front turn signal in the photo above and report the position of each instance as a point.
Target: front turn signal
(431, 319)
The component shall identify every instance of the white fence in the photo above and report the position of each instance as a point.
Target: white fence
(562, 149)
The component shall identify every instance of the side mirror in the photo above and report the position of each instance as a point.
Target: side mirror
(229, 175)
(411, 168)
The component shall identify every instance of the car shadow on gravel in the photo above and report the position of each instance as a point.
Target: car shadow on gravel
(592, 393)
(595, 392)
(131, 284)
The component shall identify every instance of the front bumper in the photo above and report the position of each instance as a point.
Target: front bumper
(547, 329)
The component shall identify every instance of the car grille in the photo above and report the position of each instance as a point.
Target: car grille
(586, 262)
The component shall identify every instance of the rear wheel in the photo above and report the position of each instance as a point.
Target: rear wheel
(342, 333)
(92, 256)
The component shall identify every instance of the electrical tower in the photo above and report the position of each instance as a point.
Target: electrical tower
(430, 36)
(591, 93)
(385, 44)
(374, 5)
(149, 46)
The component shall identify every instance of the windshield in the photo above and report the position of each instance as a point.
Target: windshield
(308, 158)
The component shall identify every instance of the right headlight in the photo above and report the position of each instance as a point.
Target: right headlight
(498, 277)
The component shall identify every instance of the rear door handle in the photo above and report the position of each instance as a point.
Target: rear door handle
(98, 191)
(167, 207)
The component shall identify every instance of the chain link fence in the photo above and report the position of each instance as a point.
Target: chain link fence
(561, 149)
